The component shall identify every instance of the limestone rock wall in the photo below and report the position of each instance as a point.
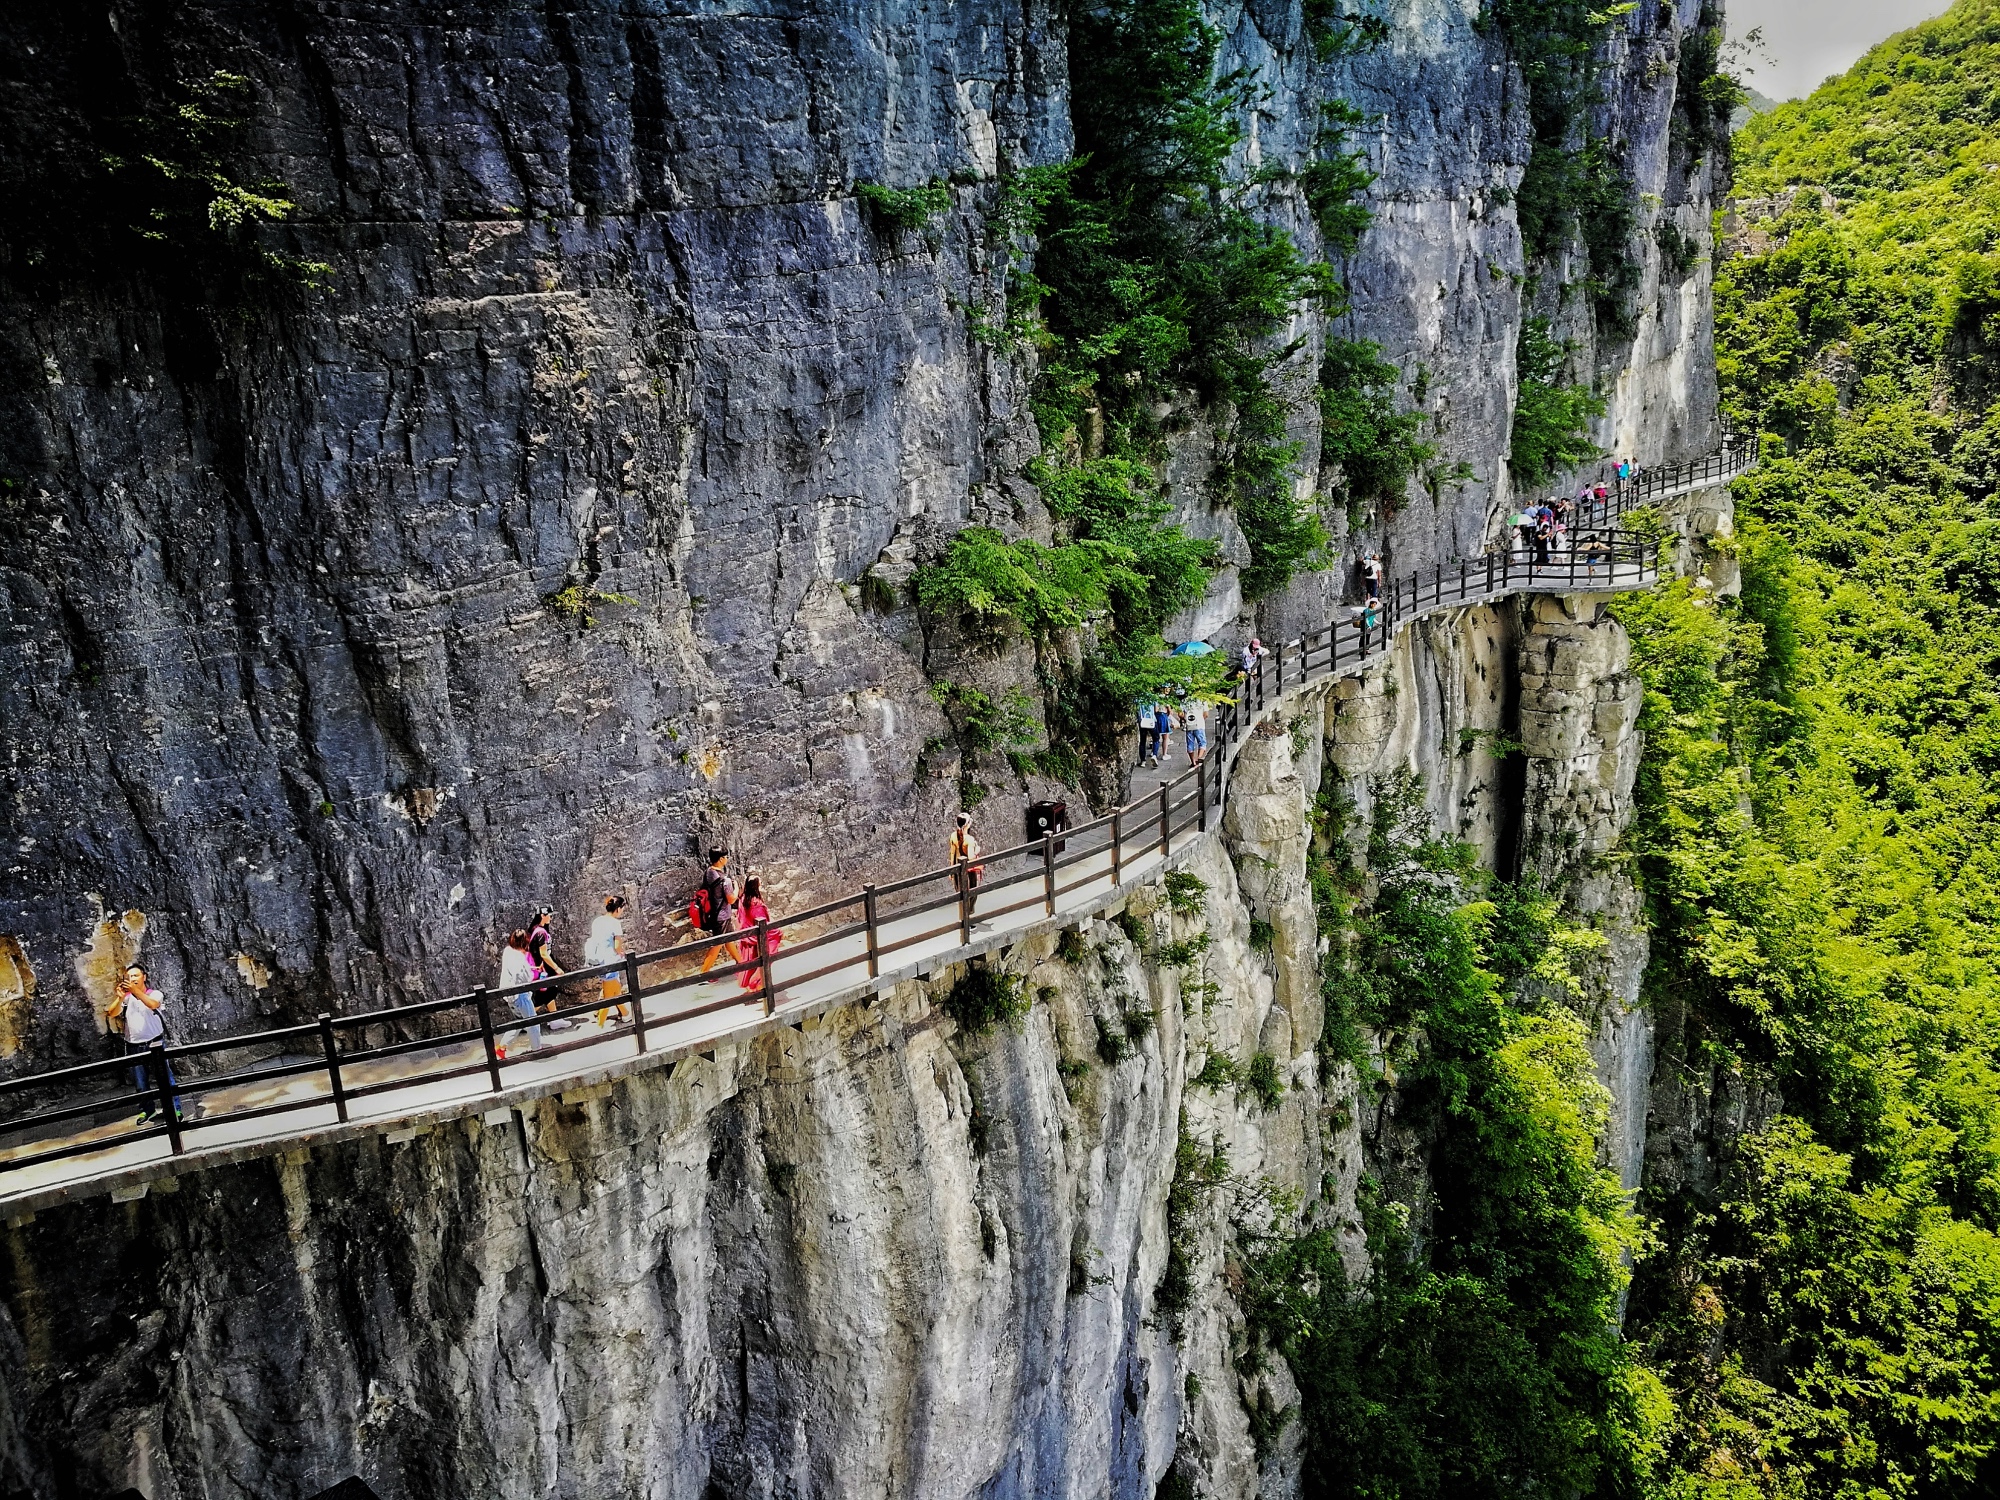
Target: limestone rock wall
(1521, 722)
(525, 558)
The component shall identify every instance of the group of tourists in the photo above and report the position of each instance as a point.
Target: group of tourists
(1543, 530)
(718, 908)
(528, 965)
(1159, 719)
(527, 957)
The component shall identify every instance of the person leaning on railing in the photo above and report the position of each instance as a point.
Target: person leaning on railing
(962, 853)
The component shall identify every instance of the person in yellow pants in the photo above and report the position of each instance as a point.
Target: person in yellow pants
(606, 945)
(716, 903)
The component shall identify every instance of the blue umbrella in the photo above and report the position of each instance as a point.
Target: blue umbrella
(1194, 648)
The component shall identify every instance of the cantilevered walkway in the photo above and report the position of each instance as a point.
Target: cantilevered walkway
(71, 1133)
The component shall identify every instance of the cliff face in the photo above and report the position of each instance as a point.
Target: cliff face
(313, 683)
(303, 707)
(879, 1253)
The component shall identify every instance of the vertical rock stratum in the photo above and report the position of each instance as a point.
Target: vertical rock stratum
(525, 556)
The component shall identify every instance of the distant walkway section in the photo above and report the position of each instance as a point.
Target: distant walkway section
(71, 1132)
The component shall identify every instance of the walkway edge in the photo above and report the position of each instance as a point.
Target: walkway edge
(136, 1179)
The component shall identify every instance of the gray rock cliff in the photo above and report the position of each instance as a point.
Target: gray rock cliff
(525, 559)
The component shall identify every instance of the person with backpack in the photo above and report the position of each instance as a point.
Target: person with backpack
(135, 1010)
(606, 945)
(713, 907)
(753, 910)
(540, 936)
(1149, 740)
(1194, 719)
(1372, 574)
(517, 968)
(962, 851)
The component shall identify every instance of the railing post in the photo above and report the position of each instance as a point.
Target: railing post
(874, 938)
(332, 1052)
(1201, 796)
(1260, 682)
(1437, 582)
(638, 1000)
(962, 873)
(1048, 874)
(764, 963)
(163, 1090)
(1166, 837)
(485, 1003)
(1117, 846)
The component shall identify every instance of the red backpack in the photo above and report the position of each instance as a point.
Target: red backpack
(708, 908)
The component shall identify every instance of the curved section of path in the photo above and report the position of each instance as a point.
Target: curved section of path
(73, 1134)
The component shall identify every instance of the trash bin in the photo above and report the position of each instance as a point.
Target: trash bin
(1048, 817)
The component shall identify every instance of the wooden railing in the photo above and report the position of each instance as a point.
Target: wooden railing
(836, 948)
(1737, 455)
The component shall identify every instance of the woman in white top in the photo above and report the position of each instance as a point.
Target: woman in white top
(517, 967)
(135, 1010)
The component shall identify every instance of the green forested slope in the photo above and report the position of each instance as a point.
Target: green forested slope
(1819, 835)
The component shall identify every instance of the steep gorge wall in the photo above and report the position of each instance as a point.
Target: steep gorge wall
(293, 708)
(876, 1253)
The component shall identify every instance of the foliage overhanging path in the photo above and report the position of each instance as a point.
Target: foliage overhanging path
(370, 1070)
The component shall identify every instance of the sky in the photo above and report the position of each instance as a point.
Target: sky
(1813, 39)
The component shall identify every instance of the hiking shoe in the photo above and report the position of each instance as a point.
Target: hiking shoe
(561, 1025)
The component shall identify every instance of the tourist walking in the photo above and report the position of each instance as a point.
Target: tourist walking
(540, 937)
(754, 911)
(135, 1010)
(715, 905)
(517, 968)
(606, 945)
(961, 851)
(1372, 574)
(1194, 719)
(1149, 737)
(1163, 731)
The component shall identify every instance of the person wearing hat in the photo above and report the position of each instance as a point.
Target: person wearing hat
(1252, 654)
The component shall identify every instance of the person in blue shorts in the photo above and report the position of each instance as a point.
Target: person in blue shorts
(1194, 719)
